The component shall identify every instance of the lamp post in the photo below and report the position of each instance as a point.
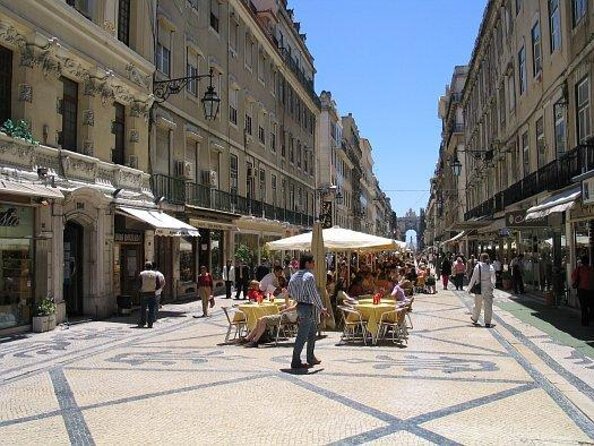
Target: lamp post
(210, 101)
(328, 195)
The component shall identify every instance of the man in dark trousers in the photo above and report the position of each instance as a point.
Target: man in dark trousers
(150, 283)
(228, 278)
(517, 267)
(242, 278)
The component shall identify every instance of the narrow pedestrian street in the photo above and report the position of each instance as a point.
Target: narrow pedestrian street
(107, 382)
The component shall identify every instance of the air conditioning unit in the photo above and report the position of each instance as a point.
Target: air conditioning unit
(133, 161)
(214, 178)
(209, 178)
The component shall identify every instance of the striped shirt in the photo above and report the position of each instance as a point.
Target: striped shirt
(302, 288)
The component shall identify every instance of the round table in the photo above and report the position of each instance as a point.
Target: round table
(385, 300)
(373, 313)
(255, 311)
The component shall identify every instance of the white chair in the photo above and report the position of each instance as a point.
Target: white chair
(393, 322)
(354, 328)
(236, 320)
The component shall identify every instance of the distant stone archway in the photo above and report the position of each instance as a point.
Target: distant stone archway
(410, 221)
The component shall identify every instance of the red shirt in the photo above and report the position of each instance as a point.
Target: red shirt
(254, 295)
(205, 280)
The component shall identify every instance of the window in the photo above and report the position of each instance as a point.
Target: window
(518, 6)
(578, 8)
(119, 130)
(305, 160)
(5, 83)
(234, 174)
(192, 70)
(508, 18)
(540, 143)
(291, 150)
(234, 36)
(248, 124)
(560, 134)
(261, 67)
(525, 153)
(273, 187)
(273, 137)
(283, 144)
(502, 109)
(261, 135)
(583, 109)
(511, 92)
(262, 185)
(214, 14)
(163, 56)
(187, 268)
(82, 6)
(299, 155)
(536, 51)
(69, 114)
(522, 70)
(249, 51)
(233, 93)
(555, 24)
(124, 21)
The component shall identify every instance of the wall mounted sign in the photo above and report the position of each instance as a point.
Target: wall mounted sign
(131, 237)
(517, 219)
(588, 191)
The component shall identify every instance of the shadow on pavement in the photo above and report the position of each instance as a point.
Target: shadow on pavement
(301, 371)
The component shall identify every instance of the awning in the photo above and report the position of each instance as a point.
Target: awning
(164, 224)
(560, 202)
(29, 189)
(494, 226)
(456, 237)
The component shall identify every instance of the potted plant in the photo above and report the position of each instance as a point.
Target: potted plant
(45, 315)
(506, 280)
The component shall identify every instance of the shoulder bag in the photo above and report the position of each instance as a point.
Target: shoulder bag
(476, 288)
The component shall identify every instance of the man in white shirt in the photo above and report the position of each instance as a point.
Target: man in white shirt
(149, 282)
(269, 282)
(228, 278)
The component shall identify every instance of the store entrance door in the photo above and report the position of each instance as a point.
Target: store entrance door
(73, 268)
(130, 264)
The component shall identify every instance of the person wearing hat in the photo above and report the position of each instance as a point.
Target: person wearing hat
(149, 282)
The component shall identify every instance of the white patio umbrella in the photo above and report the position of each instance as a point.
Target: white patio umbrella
(338, 239)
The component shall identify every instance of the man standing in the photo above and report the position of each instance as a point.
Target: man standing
(302, 288)
(517, 267)
(228, 278)
(484, 274)
(150, 282)
(242, 278)
(498, 270)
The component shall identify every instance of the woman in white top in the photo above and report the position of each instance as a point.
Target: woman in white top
(484, 274)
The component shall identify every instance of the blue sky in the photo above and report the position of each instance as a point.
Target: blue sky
(387, 62)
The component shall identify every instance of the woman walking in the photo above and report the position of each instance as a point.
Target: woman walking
(205, 290)
(446, 271)
(483, 275)
(459, 271)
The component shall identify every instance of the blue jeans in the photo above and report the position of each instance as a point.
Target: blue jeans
(308, 326)
(147, 300)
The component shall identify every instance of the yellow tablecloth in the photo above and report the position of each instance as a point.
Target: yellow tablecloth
(255, 311)
(385, 300)
(373, 313)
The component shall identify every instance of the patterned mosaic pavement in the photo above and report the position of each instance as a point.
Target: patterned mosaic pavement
(108, 383)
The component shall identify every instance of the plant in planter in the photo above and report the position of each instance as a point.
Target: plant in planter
(243, 254)
(19, 130)
(45, 315)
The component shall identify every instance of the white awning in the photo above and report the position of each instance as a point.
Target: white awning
(164, 224)
(456, 237)
(557, 203)
(29, 189)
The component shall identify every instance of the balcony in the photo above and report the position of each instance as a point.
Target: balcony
(181, 192)
(553, 176)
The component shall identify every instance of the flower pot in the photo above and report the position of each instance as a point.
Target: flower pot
(44, 323)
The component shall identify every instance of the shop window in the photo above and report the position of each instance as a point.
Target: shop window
(16, 298)
(119, 129)
(187, 264)
(216, 253)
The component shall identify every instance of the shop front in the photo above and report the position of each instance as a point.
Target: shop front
(16, 265)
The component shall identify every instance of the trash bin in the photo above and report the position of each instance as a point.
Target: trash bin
(124, 304)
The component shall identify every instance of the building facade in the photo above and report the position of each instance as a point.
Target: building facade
(528, 135)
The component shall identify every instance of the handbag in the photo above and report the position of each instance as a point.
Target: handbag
(476, 288)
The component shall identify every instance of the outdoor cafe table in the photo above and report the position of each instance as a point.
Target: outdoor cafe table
(372, 314)
(254, 311)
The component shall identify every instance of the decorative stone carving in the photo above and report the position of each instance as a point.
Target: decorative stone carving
(10, 35)
(89, 86)
(105, 175)
(15, 153)
(89, 118)
(106, 93)
(79, 167)
(134, 135)
(88, 148)
(129, 179)
(74, 68)
(139, 109)
(25, 93)
(122, 94)
(136, 76)
(109, 26)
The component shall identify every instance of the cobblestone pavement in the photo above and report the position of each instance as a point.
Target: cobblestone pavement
(109, 383)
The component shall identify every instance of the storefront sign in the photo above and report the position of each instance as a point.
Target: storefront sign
(16, 221)
(130, 237)
(517, 219)
(588, 191)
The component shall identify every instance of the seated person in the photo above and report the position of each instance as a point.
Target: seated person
(288, 312)
(254, 292)
(356, 288)
(271, 280)
(398, 293)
